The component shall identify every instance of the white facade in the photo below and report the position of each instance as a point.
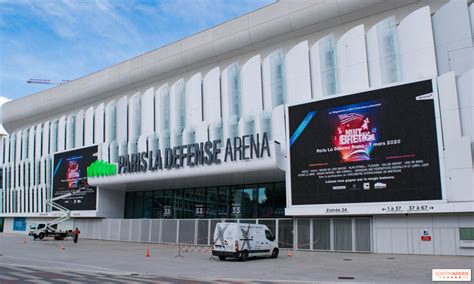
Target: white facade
(236, 79)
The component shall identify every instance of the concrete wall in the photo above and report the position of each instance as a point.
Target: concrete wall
(402, 234)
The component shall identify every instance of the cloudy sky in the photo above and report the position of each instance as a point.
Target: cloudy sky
(66, 39)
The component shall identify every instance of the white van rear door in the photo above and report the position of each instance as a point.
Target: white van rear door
(220, 236)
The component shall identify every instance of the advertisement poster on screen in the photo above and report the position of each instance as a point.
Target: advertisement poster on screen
(70, 173)
(376, 146)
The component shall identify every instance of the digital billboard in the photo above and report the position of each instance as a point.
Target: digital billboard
(70, 173)
(375, 146)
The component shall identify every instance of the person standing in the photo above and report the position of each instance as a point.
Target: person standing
(76, 235)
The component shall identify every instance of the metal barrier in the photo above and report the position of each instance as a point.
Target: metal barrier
(185, 231)
(194, 234)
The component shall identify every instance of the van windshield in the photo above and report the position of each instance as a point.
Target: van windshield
(33, 226)
(269, 235)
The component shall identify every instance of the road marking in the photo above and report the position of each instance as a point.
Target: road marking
(4, 277)
(117, 272)
(24, 275)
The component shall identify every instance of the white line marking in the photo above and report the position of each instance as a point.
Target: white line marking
(4, 277)
(113, 271)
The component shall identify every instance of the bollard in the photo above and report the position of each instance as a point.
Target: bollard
(62, 246)
(24, 240)
(289, 254)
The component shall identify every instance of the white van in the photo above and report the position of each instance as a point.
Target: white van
(243, 241)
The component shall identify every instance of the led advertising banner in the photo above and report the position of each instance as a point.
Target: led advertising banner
(70, 172)
(375, 146)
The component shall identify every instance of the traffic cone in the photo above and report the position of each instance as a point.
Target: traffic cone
(289, 254)
(62, 246)
(147, 252)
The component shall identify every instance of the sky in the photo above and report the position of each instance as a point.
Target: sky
(67, 39)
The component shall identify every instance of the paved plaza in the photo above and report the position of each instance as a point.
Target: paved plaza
(124, 262)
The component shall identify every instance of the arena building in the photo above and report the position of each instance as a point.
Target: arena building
(342, 125)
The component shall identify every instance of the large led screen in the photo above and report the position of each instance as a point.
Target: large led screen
(374, 146)
(70, 173)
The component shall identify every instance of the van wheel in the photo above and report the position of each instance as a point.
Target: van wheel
(222, 257)
(35, 237)
(244, 255)
(41, 236)
(274, 253)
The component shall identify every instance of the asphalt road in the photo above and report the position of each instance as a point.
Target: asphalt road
(96, 261)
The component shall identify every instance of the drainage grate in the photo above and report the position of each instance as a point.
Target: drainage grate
(391, 258)
(345, 278)
(134, 274)
(347, 259)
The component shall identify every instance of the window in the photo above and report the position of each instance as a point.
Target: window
(269, 235)
(265, 200)
(280, 199)
(147, 204)
(138, 205)
(164, 109)
(223, 200)
(327, 57)
(233, 74)
(157, 204)
(181, 105)
(199, 204)
(213, 204)
(167, 204)
(134, 112)
(277, 73)
(387, 37)
(186, 209)
(236, 202)
(178, 203)
(466, 234)
(233, 88)
(249, 201)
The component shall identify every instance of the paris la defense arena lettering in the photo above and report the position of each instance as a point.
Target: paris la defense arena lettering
(245, 147)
